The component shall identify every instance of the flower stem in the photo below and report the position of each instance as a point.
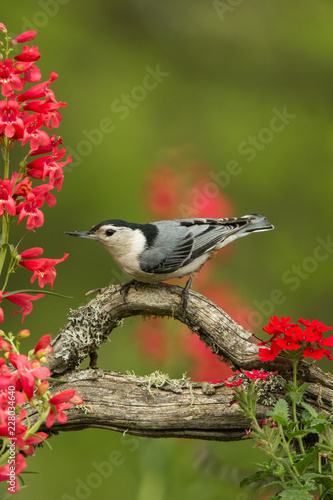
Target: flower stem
(293, 402)
(291, 467)
(5, 222)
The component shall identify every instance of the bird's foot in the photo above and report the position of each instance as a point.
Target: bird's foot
(125, 288)
(186, 296)
(96, 290)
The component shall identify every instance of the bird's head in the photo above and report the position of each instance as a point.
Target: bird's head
(115, 235)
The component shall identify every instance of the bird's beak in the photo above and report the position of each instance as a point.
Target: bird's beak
(82, 234)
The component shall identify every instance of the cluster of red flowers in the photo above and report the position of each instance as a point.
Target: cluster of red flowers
(25, 117)
(27, 383)
(307, 342)
(28, 110)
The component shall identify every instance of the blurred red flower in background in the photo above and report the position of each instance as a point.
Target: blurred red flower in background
(173, 194)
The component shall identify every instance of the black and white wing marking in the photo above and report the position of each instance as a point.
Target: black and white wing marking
(191, 238)
(209, 233)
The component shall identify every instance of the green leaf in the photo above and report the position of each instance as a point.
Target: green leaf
(280, 412)
(298, 433)
(304, 386)
(28, 290)
(323, 479)
(328, 494)
(255, 477)
(295, 493)
(269, 485)
(295, 396)
(303, 464)
(310, 409)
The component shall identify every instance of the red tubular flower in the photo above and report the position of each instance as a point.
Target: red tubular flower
(39, 90)
(55, 141)
(27, 373)
(49, 166)
(30, 209)
(9, 79)
(23, 300)
(6, 201)
(43, 269)
(11, 123)
(20, 465)
(60, 402)
(26, 444)
(7, 378)
(49, 109)
(5, 428)
(33, 133)
(26, 36)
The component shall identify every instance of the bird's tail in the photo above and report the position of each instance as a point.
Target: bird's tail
(257, 223)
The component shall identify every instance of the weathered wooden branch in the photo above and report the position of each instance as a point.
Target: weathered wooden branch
(169, 409)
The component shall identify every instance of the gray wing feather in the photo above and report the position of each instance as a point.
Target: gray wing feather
(181, 241)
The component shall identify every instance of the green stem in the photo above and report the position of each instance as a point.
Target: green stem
(320, 487)
(5, 222)
(292, 469)
(293, 402)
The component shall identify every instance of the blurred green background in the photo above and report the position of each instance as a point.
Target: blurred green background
(225, 69)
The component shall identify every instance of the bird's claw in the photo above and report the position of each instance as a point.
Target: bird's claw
(125, 288)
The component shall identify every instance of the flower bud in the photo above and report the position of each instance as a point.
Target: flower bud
(25, 37)
(3, 28)
(42, 388)
(23, 334)
(5, 346)
(76, 400)
(42, 359)
(35, 364)
(40, 354)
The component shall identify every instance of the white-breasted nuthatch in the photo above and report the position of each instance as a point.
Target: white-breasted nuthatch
(166, 249)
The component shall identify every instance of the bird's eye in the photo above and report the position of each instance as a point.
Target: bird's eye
(109, 232)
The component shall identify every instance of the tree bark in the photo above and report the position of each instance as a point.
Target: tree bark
(156, 406)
